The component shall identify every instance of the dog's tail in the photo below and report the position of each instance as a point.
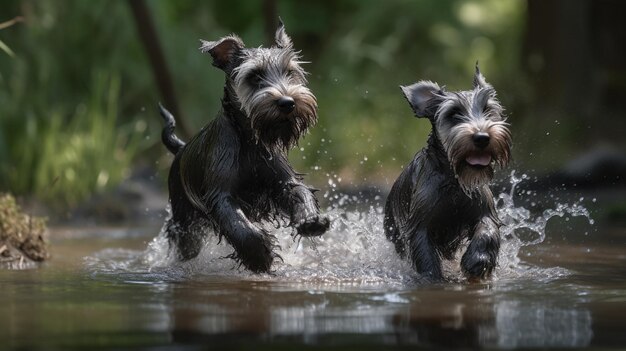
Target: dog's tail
(170, 140)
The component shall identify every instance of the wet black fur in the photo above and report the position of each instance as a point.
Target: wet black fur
(241, 181)
(428, 215)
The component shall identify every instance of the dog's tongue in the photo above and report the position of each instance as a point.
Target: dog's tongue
(479, 159)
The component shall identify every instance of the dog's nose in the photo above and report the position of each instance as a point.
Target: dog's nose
(481, 139)
(286, 104)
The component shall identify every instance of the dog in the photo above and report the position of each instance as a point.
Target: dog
(442, 198)
(234, 174)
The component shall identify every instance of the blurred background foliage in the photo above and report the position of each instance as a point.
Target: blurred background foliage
(78, 96)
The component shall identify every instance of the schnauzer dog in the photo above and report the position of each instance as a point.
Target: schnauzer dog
(234, 174)
(442, 197)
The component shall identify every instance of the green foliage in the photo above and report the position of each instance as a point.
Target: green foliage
(376, 46)
(72, 98)
(64, 160)
(64, 133)
(6, 49)
(4, 25)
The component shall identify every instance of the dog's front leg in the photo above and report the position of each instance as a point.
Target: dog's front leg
(481, 256)
(252, 244)
(298, 201)
(424, 255)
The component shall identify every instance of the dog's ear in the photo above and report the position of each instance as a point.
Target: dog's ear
(222, 50)
(424, 97)
(479, 79)
(282, 39)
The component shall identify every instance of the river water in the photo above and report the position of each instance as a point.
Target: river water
(560, 283)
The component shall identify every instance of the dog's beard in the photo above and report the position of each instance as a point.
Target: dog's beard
(274, 128)
(473, 167)
(472, 178)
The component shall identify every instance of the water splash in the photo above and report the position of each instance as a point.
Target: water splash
(354, 252)
(521, 228)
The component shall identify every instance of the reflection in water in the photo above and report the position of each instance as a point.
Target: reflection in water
(508, 324)
(310, 322)
(520, 325)
(431, 317)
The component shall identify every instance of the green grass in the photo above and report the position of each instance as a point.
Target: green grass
(64, 159)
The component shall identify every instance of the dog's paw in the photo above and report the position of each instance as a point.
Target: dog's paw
(256, 253)
(477, 265)
(313, 226)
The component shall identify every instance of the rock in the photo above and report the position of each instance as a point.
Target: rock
(599, 166)
(23, 239)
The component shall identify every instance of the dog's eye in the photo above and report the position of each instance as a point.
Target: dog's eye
(255, 78)
(456, 117)
(292, 72)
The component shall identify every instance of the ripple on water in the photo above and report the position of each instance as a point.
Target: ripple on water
(354, 251)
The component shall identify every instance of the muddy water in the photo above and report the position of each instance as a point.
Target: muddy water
(560, 283)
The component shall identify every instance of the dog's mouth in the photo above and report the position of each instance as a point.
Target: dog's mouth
(478, 159)
(284, 120)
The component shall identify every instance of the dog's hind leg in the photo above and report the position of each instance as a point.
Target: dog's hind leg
(481, 256)
(186, 229)
(392, 232)
(187, 236)
(252, 244)
(424, 255)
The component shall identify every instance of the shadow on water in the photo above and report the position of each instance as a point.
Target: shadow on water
(345, 288)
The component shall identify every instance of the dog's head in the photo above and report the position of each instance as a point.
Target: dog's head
(470, 125)
(269, 85)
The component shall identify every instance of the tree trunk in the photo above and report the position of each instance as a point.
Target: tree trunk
(162, 76)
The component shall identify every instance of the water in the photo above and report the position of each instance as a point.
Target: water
(560, 283)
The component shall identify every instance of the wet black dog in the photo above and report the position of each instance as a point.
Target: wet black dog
(234, 173)
(442, 197)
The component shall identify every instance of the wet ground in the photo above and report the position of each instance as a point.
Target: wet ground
(117, 288)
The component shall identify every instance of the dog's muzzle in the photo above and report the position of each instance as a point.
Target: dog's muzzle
(481, 139)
